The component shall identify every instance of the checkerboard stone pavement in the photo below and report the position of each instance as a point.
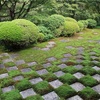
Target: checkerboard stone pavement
(52, 95)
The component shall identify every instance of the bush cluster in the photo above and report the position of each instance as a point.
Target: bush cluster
(18, 33)
(91, 23)
(21, 33)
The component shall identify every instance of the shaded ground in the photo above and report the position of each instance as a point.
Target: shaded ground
(61, 69)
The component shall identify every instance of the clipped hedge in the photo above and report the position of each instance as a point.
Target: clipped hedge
(70, 28)
(91, 23)
(85, 23)
(18, 33)
(54, 22)
(70, 19)
(81, 26)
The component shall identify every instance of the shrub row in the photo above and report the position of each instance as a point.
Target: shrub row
(21, 33)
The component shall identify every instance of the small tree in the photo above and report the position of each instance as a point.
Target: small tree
(12, 9)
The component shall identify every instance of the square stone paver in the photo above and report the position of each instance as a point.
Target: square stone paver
(77, 86)
(78, 75)
(67, 55)
(27, 93)
(62, 66)
(20, 62)
(47, 65)
(97, 88)
(51, 59)
(97, 77)
(36, 80)
(3, 75)
(52, 43)
(96, 68)
(2, 66)
(32, 63)
(79, 61)
(94, 57)
(64, 59)
(25, 70)
(55, 84)
(7, 89)
(69, 47)
(18, 78)
(51, 96)
(59, 73)
(78, 66)
(14, 55)
(92, 53)
(75, 98)
(41, 72)
(45, 49)
(7, 60)
(49, 46)
(12, 68)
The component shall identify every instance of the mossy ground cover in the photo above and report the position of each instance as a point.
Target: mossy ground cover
(83, 46)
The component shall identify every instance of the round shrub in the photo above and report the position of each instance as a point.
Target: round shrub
(85, 23)
(54, 22)
(81, 26)
(44, 30)
(41, 37)
(18, 33)
(70, 19)
(92, 23)
(70, 28)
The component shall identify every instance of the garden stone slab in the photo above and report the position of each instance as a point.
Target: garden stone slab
(59, 73)
(77, 86)
(95, 62)
(80, 48)
(96, 68)
(55, 84)
(36, 80)
(97, 77)
(51, 59)
(62, 66)
(78, 66)
(79, 56)
(12, 68)
(97, 88)
(52, 43)
(64, 40)
(79, 61)
(20, 62)
(75, 98)
(27, 93)
(45, 49)
(69, 47)
(25, 70)
(51, 96)
(5, 54)
(7, 60)
(14, 55)
(94, 57)
(80, 52)
(92, 53)
(64, 59)
(78, 75)
(32, 63)
(47, 65)
(50, 46)
(18, 78)
(3, 75)
(67, 55)
(2, 66)
(41, 72)
(7, 89)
